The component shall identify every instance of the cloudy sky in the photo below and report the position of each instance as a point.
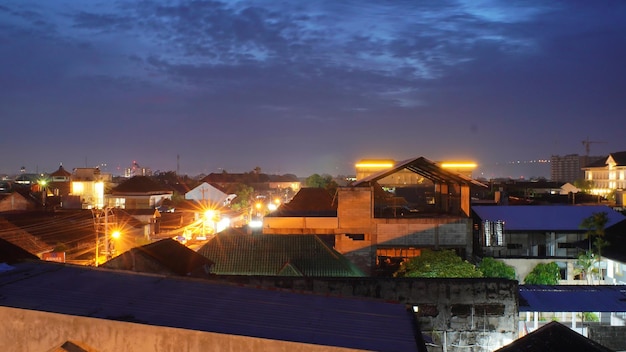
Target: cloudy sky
(308, 86)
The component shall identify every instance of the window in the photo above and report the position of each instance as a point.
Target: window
(494, 233)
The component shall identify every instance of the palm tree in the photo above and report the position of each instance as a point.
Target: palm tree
(595, 234)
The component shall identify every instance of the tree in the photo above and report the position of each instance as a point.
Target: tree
(595, 230)
(244, 194)
(543, 274)
(495, 268)
(440, 264)
(322, 181)
(585, 265)
(594, 225)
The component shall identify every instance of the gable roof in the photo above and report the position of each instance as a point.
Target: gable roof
(52, 228)
(238, 253)
(554, 337)
(167, 253)
(618, 157)
(308, 202)
(544, 217)
(140, 185)
(209, 306)
(572, 298)
(61, 172)
(422, 167)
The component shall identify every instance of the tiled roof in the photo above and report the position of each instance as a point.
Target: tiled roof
(245, 178)
(618, 157)
(21, 238)
(207, 306)
(545, 217)
(168, 253)
(61, 172)
(554, 337)
(309, 202)
(52, 228)
(238, 253)
(140, 184)
(10, 253)
(572, 298)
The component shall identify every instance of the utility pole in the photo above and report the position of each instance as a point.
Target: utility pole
(102, 221)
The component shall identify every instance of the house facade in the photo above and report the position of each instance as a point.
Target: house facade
(526, 235)
(87, 188)
(609, 175)
(138, 192)
(437, 216)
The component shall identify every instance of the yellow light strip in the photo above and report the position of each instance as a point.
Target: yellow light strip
(381, 165)
(468, 165)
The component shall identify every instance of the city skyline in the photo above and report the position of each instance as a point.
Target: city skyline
(303, 88)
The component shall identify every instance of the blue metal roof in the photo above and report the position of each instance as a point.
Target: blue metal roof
(572, 298)
(204, 305)
(545, 217)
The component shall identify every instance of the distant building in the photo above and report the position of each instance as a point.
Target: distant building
(138, 192)
(609, 175)
(136, 170)
(569, 168)
(87, 188)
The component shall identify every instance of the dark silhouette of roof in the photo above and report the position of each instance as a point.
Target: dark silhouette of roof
(245, 178)
(238, 253)
(618, 157)
(164, 254)
(554, 337)
(309, 202)
(209, 306)
(11, 254)
(61, 172)
(139, 185)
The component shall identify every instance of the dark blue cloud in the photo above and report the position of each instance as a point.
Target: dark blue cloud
(303, 87)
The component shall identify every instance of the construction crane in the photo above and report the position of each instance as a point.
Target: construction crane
(587, 143)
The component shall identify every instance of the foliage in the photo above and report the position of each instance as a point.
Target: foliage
(322, 181)
(595, 230)
(544, 274)
(439, 264)
(244, 195)
(584, 185)
(495, 268)
(60, 247)
(589, 316)
(584, 264)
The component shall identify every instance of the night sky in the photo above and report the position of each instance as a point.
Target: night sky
(307, 87)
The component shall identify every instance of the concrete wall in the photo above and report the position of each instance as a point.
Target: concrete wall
(471, 315)
(25, 331)
(300, 225)
(613, 337)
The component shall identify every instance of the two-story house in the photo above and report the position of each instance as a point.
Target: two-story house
(373, 225)
(525, 235)
(608, 175)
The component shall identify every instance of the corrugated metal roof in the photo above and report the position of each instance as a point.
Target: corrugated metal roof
(208, 306)
(545, 217)
(238, 253)
(572, 298)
